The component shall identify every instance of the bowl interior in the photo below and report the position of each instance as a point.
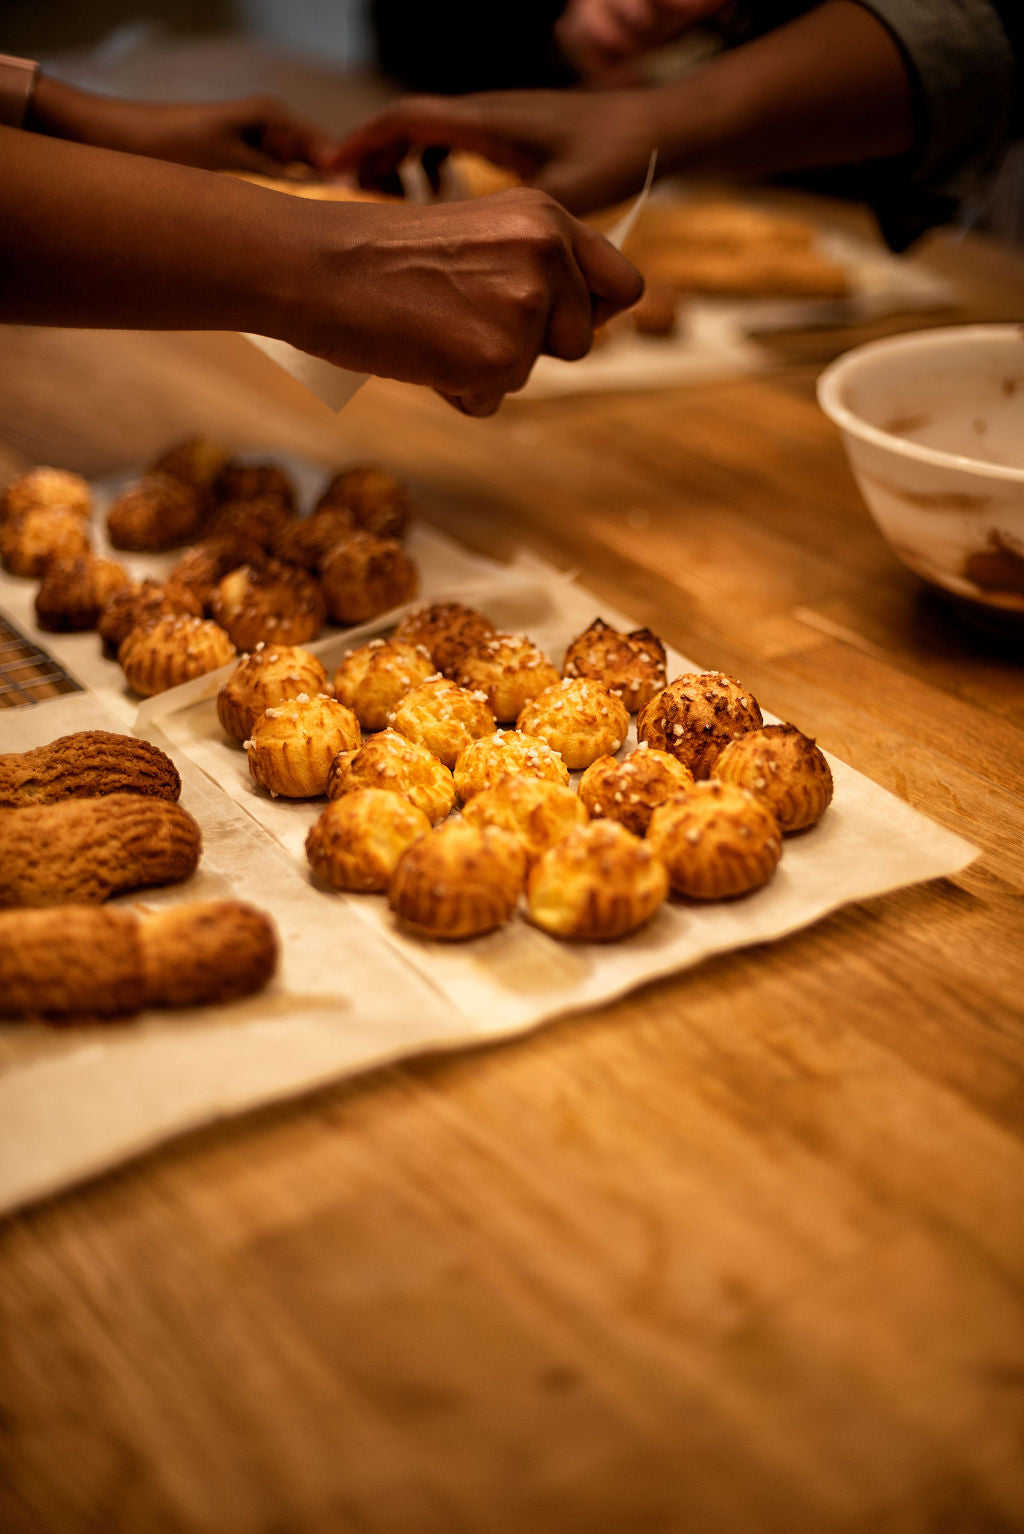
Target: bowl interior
(957, 392)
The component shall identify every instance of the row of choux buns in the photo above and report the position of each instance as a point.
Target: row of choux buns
(699, 807)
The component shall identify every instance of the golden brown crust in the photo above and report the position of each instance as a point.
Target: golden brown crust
(74, 591)
(206, 953)
(307, 541)
(597, 884)
(632, 666)
(269, 676)
(29, 540)
(82, 851)
(447, 630)
(443, 717)
(173, 650)
(43, 486)
(629, 791)
(717, 840)
(269, 601)
(536, 811)
(359, 839)
(389, 761)
(509, 670)
(458, 882)
(157, 512)
(379, 501)
(372, 679)
(255, 482)
(364, 576)
(86, 765)
(695, 716)
(486, 761)
(203, 566)
(784, 766)
(81, 962)
(138, 604)
(579, 719)
(292, 745)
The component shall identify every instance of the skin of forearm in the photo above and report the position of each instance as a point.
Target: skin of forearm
(830, 88)
(90, 237)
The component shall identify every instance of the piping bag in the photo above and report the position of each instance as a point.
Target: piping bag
(335, 386)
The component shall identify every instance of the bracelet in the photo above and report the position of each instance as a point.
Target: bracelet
(17, 82)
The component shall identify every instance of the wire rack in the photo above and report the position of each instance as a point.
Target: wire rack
(27, 673)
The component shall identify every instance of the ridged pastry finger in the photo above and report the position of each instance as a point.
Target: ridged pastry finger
(87, 765)
(207, 951)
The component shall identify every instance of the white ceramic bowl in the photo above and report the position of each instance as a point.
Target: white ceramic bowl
(933, 426)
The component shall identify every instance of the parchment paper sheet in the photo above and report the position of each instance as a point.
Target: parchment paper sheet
(352, 992)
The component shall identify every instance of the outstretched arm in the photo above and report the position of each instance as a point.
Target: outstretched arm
(461, 298)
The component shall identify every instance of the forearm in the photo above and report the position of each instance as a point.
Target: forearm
(89, 237)
(831, 88)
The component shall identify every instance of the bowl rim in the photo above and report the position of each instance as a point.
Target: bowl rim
(832, 378)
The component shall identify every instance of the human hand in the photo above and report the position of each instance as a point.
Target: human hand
(255, 133)
(585, 149)
(599, 35)
(463, 296)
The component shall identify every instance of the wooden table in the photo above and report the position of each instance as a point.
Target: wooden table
(743, 1252)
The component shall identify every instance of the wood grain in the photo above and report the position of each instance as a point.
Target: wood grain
(742, 1252)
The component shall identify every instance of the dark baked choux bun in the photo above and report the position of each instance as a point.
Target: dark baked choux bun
(364, 576)
(372, 679)
(629, 791)
(717, 840)
(260, 521)
(74, 590)
(269, 601)
(307, 541)
(196, 461)
(458, 882)
(379, 501)
(509, 670)
(785, 767)
(599, 883)
(579, 719)
(156, 512)
(44, 486)
(30, 539)
(695, 716)
(138, 604)
(632, 666)
(447, 630)
(202, 567)
(255, 482)
(389, 761)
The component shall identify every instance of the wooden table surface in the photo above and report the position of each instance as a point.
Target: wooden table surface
(742, 1252)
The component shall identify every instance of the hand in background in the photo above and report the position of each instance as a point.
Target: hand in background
(585, 149)
(597, 36)
(257, 133)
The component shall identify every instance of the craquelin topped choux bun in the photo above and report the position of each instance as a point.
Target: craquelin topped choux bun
(717, 840)
(389, 761)
(537, 811)
(359, 839)
(138, 604)
(486, 761)
(599, 883)
(458, 882)
(269, 676)
(695, 716)
(293, 744)
(579, 719)
(632, 666)
(173, 650)
(629, 791)
(373, 678)
(365, 575)
(783, 766)
(443, 717)
(509, 670)
(447, 630)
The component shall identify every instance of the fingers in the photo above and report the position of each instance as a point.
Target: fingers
(487, 125)
(612, 281)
